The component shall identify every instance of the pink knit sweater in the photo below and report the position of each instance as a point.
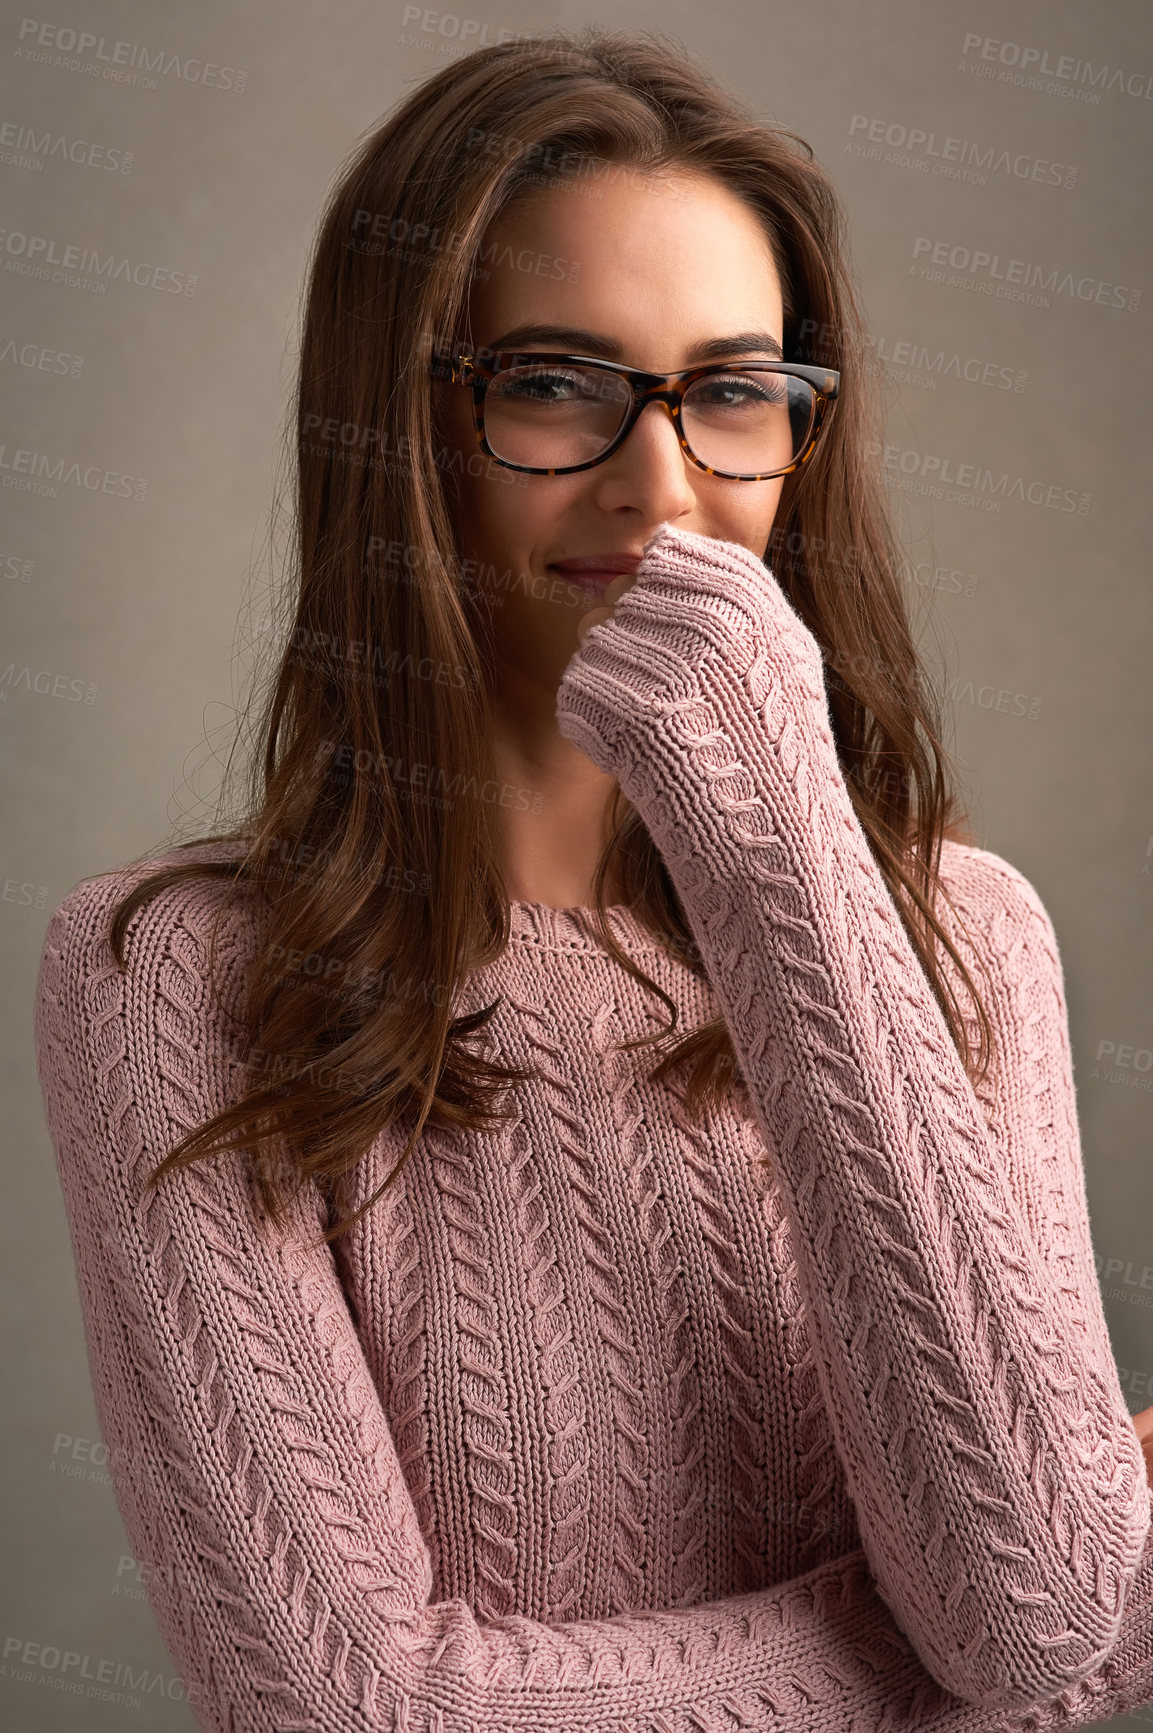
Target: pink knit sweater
(801, 1417)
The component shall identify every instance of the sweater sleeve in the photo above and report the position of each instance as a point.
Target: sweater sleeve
(942, 1240)
(255, 1472)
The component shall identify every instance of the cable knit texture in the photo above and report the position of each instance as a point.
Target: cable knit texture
(800, 1417)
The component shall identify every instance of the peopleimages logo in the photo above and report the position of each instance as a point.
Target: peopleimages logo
(1016, 63)
(40, 472)
(970, 483)
(121, 62)
(943, 154)
(32, 255)
(25, 147)
(27, 1661)
(1014, 278)
(907, 361)
(36, 358)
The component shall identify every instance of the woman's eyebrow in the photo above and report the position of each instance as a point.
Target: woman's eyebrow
(594, 343)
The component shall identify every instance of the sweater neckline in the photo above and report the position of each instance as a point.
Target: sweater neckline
(575, 929)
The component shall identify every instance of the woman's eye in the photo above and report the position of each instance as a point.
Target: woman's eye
(545, 387)
(738, 388)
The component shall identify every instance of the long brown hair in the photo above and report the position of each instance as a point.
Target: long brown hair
(362, 867)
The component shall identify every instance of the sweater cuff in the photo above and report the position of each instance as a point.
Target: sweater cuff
(695, 603)
(723, 589)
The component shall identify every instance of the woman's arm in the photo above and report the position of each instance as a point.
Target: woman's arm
(943, 1244)
(257, 1477)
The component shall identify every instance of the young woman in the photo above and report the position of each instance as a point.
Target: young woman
(460, 1367)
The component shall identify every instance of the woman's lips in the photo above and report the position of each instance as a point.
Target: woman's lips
(597, 571)
(592, 581)
(613, 564)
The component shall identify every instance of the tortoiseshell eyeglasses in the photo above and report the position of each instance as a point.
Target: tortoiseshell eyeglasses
(547, 413)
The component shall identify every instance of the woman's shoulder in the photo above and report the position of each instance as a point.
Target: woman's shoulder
(994, 899)
(176, 919)
(125, 1050)
(985, 880)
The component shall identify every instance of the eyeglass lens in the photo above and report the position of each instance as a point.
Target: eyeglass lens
(554, 416)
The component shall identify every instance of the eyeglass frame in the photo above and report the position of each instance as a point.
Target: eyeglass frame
(461, 368)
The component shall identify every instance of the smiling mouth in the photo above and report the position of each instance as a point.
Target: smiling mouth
(591, 578)
(599, 565)
(590, 586)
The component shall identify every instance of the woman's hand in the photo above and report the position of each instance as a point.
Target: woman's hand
(600, 613)
(1143, 1423)
(698, 616)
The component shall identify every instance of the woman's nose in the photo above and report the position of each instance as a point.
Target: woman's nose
(650, 461)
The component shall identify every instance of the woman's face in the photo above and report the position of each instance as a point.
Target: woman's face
(660, 266)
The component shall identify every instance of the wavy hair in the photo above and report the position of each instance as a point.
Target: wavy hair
(367, 837)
